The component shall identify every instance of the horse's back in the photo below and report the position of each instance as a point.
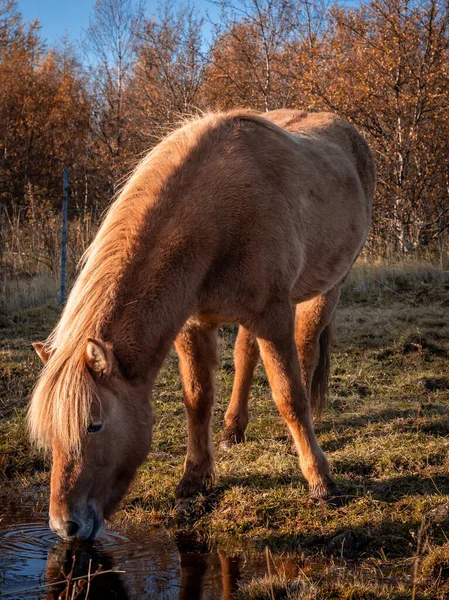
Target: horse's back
(331, 127)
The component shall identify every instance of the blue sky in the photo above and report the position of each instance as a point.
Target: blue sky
(58, 17)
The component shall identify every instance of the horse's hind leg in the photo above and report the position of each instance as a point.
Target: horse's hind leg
(246, 355)
(196, 346)
(275, 335)
(312, 336)
(312, 341)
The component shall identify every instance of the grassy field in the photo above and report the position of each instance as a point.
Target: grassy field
(385, 431)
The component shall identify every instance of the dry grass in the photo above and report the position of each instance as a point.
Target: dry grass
(281, 588)
(31, 240)
(20, 294)
(370, 279)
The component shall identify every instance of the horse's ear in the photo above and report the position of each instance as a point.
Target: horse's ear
(99, 357)
(42, 352)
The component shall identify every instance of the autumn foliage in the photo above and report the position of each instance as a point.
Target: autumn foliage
(96, 106)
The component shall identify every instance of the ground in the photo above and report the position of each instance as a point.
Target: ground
(385, 431)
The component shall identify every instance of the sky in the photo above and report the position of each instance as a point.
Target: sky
(60, 17)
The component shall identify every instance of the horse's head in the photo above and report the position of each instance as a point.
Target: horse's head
(88, 482)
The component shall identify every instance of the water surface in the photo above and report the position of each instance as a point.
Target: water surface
(36, 564)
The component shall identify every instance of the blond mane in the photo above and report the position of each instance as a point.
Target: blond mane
(61, 402)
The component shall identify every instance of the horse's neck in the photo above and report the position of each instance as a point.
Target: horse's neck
(155, 300)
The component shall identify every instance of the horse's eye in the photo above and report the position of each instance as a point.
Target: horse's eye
(95, 427)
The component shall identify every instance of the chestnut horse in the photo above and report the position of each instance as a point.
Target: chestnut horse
(233, 217)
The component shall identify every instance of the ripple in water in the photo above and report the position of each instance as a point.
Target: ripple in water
(23, 554)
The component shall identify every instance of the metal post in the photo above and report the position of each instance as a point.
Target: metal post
(2, 252)
(65, 193)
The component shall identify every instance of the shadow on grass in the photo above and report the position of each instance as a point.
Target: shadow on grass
(389, 490)
(262, 481)
(391, 538)
(381, 416)
(337, 444)
(397, 488)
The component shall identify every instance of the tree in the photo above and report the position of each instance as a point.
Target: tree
(169, 71)
(261, 52)
(43, 114)
(385, 67)
(110, 46)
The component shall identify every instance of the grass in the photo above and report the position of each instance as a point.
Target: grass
(385, 431)
(281, 588)
(18, 294)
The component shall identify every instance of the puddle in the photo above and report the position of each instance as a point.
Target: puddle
(35, 564)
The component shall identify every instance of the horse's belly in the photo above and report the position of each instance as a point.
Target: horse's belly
(319, 276)
(308, 288)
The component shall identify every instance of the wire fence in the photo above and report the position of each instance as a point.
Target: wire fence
(32, 241)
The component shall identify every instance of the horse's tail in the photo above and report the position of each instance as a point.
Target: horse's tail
(320, 379)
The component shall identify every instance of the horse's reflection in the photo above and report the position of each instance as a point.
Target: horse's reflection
(194, 561)
(79, 571)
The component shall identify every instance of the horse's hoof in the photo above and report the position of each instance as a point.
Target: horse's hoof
(184, 505)
(330, 494)
(188, 489)
(231, 438)
(225, 445)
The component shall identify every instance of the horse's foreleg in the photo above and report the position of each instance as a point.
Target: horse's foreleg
(275, 335)
(193, 570)
(230, 575)
(246, 355)
(196, 346)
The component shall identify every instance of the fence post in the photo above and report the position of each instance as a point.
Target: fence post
(2, 252)
(65, 193)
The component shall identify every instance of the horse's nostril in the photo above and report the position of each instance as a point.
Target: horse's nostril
(72, 528)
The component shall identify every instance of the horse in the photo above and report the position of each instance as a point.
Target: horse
(235, 217)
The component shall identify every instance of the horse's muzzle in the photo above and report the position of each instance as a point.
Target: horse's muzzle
(78, 526)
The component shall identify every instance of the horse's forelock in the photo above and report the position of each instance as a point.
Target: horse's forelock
(61, 402)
